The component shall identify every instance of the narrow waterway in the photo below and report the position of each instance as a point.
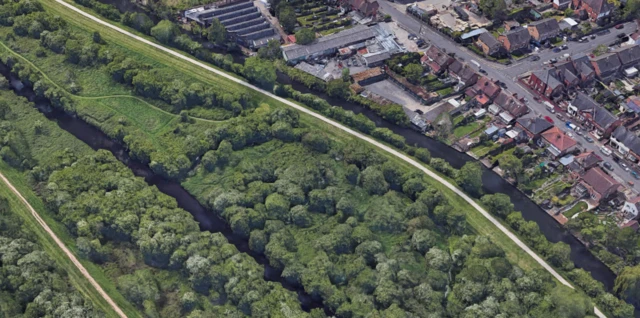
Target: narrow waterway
(208, 220)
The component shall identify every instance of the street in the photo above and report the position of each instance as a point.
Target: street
(509, 73)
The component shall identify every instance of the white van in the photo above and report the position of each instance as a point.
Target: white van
(550, 107)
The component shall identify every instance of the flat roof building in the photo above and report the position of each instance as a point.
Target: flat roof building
(327, 45)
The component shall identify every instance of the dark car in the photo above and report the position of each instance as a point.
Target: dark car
(621, 35)
(482, 71)
(535, 58)
(421, 43)
(552, 61)
(588, 139)
(556, 50)
(608, 166)
(564, 47)
(503, 85)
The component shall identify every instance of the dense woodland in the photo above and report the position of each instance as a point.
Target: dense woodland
(358, 231)
(31, 283)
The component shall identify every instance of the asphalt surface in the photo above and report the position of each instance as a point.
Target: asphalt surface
(350, 131)
(509, 73)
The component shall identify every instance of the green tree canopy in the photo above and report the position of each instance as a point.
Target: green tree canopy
(165, 31)
(287, 18)
(217, 33)
(305, 36)
(470, 178)
(413, 72)
(260, 71)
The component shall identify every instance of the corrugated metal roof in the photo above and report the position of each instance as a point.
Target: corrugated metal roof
(473, 33)
(344, 38)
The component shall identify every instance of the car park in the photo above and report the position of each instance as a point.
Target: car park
(608, 166)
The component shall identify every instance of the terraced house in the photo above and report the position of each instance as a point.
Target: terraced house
(544, 29)
(516, 39)
(594, 116)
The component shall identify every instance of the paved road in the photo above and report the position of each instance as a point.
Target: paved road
(64, 249)
(509, 74)
(350, 131)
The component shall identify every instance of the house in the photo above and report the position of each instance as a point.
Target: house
(544, 29)
(489, 45)
(629, 56)
(596, 10)
(633, 224)
(484, 86)
(437, 60)
(558, 143)
(465, 75)
(626, 143)
(546, 82)
(561, 4)
(584, 161)
(516, 39)
(510, 104)
(593, 115)
(566, 73)
(597, 184)
(365, 7)
(633, 104)
(631, 208)
(584, 69)
(606, 66)
(533, 127)
(511, 24)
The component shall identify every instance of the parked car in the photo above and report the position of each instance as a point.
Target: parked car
(564, 47)
(608, 166)
(588, 139)
(503, 85)
(579, 133)
(593, 36)
(635, 175)
(547, 118)
(606, 151)
(560, 117)
(553, 61)
(535, 58)
(624, 166)
(621, 35)
(482, 71)
(619, 26)
(556, 50)
(411, 36)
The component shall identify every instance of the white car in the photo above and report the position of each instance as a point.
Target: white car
(606, 151)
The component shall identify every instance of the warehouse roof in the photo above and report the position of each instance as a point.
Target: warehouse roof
(344, 38)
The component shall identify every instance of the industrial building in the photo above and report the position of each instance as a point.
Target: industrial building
(243, 21)
(374, 43)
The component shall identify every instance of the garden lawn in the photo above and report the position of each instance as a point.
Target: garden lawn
(579, 207)
(462, 131)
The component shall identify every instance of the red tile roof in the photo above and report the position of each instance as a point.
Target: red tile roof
(601, 182)
(558, 139)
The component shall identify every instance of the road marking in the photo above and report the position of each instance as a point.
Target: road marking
(64, 248)
(368, 139)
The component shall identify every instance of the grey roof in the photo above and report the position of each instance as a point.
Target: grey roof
(603, 117)
(534, 125)
(518, 37)
(628, 138)
(607, 62)
(629, 55)
(584, 103)
(488, 39)
(568, 75)
(344, 38)
(377, 57)
(584, 68)
(549, 77)
(546, 25)
(473, 33)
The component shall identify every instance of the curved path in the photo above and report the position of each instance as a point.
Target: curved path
(100, 97)
(343, 128)
(64, 249)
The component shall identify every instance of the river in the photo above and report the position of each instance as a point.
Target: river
(492, 182)
(207, 220)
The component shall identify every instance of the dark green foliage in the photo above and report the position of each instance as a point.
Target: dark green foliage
(271, 51)
(470, 178)
(217, 32)
(287, 18)
(261, 72)
(138, 21)
(305, 36)
(165, 32)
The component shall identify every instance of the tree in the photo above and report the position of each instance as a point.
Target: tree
(498, 203)
(271, 51)
(568, 12)
(632, 9)
(305, 36)
(260, 71)
(413, 72)
(373, 181)
(470, 178)
(346, 75)
(217, 33)
(494, 9)
(97, 38)
(627, 285)
(559, 256)
(287, 18)
(165, 31)
(423, 155)
(511, 165)
(338, 88)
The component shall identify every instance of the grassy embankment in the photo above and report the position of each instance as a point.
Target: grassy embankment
(179, 67)
(45, 145)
